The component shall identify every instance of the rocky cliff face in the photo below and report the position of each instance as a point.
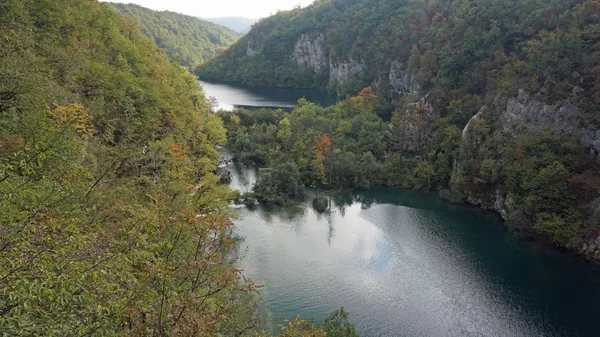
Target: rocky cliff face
(503, 122)
(253, 47)
(401, 81)
(525, 114)
(311, 54)
(343, 72)
(415, 126)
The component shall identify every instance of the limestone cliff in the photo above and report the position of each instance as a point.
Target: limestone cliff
(311, 54)
(314, 54)
(401, 81)
(253, 47)
(411, 129)
(501, 124)
(343, 72)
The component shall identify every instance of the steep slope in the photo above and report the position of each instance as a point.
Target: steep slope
(107, 154)
(348, 44)
(496, 101)
(239, 24)
(189, 39)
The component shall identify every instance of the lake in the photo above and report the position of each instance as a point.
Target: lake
(230, 96)
(405, 263)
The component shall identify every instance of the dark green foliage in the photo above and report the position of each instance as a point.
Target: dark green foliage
(464, 55)
(113, 222)
(187, 39)
(278, 185)
(338, 147)
(107, 157)
(459, 51)
(320, 204)
(451, 196)
(337, 325)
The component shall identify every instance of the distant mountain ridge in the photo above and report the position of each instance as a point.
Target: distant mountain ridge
(239, 24)
(189, 39)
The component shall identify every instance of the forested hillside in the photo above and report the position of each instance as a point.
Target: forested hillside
(473, 46)
(112, 221)
(188, 39)
(493, 102)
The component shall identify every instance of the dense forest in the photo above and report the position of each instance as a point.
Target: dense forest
(113, 221)
(496, 103)
(456, 47)
(188, 39)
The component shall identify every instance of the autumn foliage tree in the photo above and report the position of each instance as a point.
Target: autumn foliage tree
(112, 222)
(320, 150)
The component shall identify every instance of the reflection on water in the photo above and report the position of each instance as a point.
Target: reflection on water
(407, 264)
(229, 96)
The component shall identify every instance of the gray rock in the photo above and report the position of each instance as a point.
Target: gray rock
(525, 114)
(470, 143)
(415, 127)
(253, 47)
(402, 82)
(311, 54)
(343, 72)
(513, 118)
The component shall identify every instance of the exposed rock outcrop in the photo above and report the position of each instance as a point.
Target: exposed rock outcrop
(311, 54)
(402, 82)
(524, 114)
(411, 131)
(253, 47)
(344, 72)
(502, 123)
(472, 138)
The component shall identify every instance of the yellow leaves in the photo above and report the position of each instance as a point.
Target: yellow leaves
(74, 114)
(235, 119)
(300, 328)
(8, 38)
(217, 134)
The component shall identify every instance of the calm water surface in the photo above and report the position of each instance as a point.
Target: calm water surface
(230, 96)
(404, 263)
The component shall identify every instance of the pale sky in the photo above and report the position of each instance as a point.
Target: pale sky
(220, 8)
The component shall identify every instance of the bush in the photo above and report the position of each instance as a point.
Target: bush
(320, 204)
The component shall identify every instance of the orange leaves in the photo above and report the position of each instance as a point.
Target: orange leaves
(250, 286)
(367, 93)
(323, 145)
(178, 152)
(321, 148)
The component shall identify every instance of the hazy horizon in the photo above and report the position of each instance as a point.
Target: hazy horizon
(222, 8)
